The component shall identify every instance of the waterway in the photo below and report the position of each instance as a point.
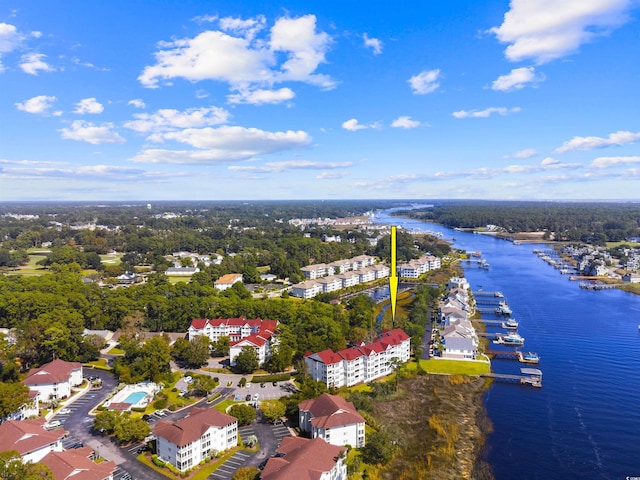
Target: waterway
(585, 421)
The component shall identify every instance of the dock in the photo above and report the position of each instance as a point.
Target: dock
(596, 286)
(528, 376)
(529, 357)
(482, 294)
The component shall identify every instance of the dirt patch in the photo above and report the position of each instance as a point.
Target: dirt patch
(439, 425)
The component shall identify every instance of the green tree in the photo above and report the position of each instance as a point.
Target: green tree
(378, 449)
(106, 421)
(131, 429)
(13, 468)
(246, 473)
(220, 347)
(244, 413)
(247, 360)
(281, 358)
(202, 385)
(12, 397)
(273, 409)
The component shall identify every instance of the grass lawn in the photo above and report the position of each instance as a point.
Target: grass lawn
(101, 363)
(223, 405)
(173, 279)
(116, 351)
(111, 259)
(451, 367)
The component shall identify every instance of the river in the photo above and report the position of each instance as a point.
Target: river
(585, 421)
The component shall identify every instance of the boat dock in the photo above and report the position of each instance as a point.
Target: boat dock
(528, 376)
(596, 286)
(495, 301)
(482, 294)
(528, 357)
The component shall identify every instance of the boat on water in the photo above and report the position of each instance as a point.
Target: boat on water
(510, 339)
(503, 309)
(529, 357)
(498, 294)
(510, 324)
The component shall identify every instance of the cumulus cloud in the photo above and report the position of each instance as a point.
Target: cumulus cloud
(88, 105)
(526, 153)
(247, 28)
(261, 97)
(591, 143)
(372, 43)
(425, 82)
(485, 113)
(607, 162)
(91, 133)
(32, 63)
(278, 167)
(405, 122)
(352, 125)
(170, 119)
(205, 18)
(292, 51)
(40, 104)
(222, 145)
(136, 102)
(516, 79)
(330, 175)
(10, 39)
(544, 30)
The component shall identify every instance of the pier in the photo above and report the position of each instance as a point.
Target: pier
(596, 286)
(482, 294)
(528, 376)
(529, 357)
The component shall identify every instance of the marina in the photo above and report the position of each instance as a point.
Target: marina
(509, 339)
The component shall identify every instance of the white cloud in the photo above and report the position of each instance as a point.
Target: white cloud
(205, 18)
(425, 82)
(606, 162)
(544, 30)
(526, 153)
(32, 63)
(331, 175)
(278, 167)
(88, 105)
(591, 143)
(352, 125)
(516, 79)
(136, 102)
(292, 52)
(405, 122)
(547, 162)
(223, 145)
(10, 38)
(260, 97)
(170, 119)
(39, 104)
(91, 133)
(485, 113)
(36, 34)
(248, 28)
(373, 43)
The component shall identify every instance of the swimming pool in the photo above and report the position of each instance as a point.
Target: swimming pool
(134, 397)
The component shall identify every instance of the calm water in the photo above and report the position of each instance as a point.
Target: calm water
(585, 421)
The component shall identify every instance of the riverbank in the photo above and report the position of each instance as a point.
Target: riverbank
(439, 426)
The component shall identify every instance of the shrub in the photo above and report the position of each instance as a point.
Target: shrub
(160, 404)
(172, 407)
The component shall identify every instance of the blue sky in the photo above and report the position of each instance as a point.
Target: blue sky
(194, 100)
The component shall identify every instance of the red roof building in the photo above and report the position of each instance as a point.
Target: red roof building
(30, 439)
(76, 465)
(304, 459)
(333, 419)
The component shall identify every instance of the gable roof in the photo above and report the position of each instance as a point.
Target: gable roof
(302, 459)
(193, 426)
(75, 464)
(52, 372)
(27, 436)
(328, 357)
(228, 279)
(330, 411)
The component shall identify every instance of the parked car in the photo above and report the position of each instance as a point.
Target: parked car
(248, 397)
(256, 397)
(262, 385)
(53, 424)
(146, 417)
(275, 384)
(64, 411)
(161, 413)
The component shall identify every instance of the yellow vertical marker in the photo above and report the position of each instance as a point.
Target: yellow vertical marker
(393, 278)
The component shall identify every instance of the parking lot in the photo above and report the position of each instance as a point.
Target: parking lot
(265, 391)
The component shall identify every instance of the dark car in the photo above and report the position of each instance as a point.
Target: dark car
(262, 385)
(146, 417)
(275, 384)
(248, 398)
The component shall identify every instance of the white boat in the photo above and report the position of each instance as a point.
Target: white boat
(503, 309)
(510, 324)
(510, 339)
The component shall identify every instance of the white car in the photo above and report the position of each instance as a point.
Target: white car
(256, 396)
(53, 424)
(161, 413)
(64, 411)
